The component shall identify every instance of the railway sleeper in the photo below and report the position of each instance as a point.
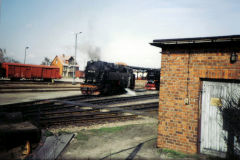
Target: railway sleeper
(83, 112)
(116, 100)
(47, 108)
(92, 111)
(82, 116)
(104, 109)
(86, 122)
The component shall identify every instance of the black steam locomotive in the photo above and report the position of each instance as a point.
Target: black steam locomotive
(104, 78)
(153, 79)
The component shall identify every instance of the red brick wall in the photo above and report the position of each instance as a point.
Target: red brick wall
(178, 123)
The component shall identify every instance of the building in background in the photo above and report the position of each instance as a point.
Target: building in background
(66, 65)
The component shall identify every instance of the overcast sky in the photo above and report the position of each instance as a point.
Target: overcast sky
(115, 30)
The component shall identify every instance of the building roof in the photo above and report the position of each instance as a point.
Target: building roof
(197, 40)
(143, 68)
(218, 42)
(65, 59)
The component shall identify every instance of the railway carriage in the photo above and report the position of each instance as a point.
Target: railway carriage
(103, 78)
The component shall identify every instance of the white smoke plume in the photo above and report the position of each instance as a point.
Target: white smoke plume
(92, 51)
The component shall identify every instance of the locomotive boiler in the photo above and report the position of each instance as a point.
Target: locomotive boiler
(104, 78)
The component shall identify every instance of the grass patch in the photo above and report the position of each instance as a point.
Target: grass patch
(48, 133)
(81, 137)
(64, 132)
(107, 130)
(174, 154)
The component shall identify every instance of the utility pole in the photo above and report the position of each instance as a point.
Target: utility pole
(74, 68)
(25, 54)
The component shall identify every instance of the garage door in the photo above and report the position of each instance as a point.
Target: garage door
(212, 132)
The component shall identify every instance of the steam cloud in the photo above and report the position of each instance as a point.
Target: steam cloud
(94, 53)
(91, 51)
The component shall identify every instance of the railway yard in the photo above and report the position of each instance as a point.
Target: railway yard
(83, 110)
(60, 107)
(36, 86)
(110, 80)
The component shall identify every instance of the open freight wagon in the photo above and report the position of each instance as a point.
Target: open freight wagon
(17, 71)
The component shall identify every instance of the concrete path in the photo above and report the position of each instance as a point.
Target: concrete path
(9, 98)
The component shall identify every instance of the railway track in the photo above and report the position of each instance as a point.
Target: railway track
(19, 91)
(34, 82)
(96, 114)
(83, 110)
(36, 86)
(122, 99)
(33, 105)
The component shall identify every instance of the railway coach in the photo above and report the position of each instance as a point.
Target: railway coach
(17, 71)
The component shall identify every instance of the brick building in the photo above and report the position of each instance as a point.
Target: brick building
(187, 66)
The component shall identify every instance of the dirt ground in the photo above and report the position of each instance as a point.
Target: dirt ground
(132, 139)
(106, 142)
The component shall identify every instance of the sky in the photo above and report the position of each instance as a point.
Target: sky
(112, 30)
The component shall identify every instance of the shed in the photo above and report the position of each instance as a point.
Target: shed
(195, 74)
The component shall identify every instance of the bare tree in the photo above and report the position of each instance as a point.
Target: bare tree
(46, 61)
(1, 56)
(231, 123)
(5, 58)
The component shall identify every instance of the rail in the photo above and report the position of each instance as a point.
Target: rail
(84, 110)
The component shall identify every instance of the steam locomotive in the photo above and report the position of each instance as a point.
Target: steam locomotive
(104, 78)
(153, 79)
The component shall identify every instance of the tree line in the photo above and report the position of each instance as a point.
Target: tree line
(5, 58)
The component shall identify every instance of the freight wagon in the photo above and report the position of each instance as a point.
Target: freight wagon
(17, 71)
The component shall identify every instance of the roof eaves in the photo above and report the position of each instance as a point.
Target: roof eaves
(196, 40)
